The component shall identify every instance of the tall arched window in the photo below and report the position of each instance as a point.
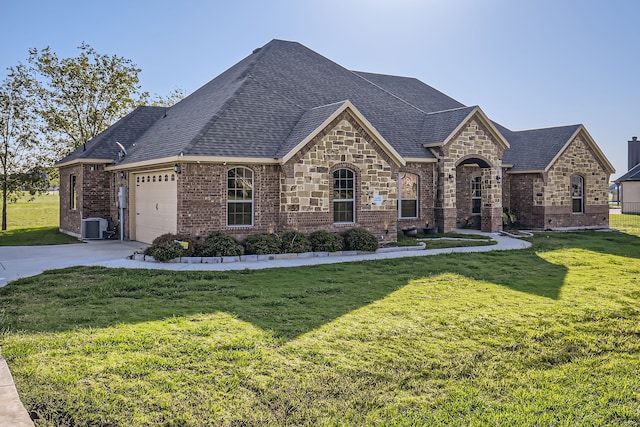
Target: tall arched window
(344, 196)
(240, 196)
(408, 195)
(577, 194)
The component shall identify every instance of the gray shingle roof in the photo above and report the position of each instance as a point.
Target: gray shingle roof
(264, 105)
(413, 91)
(438, 126)
(310, 121)
(535, 149)
(632, 175)
(125, 131)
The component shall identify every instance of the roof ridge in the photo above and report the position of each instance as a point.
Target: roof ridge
(453, 109)
(548, 128)
(386, 91)
(246, 75)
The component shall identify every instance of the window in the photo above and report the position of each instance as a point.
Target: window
(343, 196)
(476, 195)
(73, 193)
(408, 195)
(240, 197)
(577, 194)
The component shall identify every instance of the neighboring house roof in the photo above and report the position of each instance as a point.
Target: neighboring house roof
(125, 131)
(267, 104)
(632, 175)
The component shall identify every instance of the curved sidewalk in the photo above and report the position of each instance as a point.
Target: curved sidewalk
(503, 243)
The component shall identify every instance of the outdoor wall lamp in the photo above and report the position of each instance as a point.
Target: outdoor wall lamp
(498, 179)
(123, 175)
(176, 169)
(450, 177)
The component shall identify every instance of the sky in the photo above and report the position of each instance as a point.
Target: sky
(527, 63)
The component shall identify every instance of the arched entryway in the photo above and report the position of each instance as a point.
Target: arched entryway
(478, 194)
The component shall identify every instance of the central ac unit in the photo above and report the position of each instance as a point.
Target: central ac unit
(93, 228)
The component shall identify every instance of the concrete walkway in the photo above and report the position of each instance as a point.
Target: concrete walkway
(26, 261)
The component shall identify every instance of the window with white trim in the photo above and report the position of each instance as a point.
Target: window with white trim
(239, 196)
(408, 203)
(577, 194)
(343, 196)
(476, 195)
(73, 193)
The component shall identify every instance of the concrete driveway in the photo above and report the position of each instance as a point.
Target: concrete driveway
(23, 261)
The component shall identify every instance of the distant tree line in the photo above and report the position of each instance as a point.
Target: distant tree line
(49, 106)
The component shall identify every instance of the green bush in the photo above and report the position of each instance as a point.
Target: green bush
(219, 244)
(172, 238)
(166, 251)
(262, 244)
(324, 241)
(294, 242)
(359, 239)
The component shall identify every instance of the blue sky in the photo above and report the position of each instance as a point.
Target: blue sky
(527, 63)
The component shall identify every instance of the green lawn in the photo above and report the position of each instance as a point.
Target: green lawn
(34, 222)
(544, 336)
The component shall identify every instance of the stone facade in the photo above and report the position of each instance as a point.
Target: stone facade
(298, 195)
(543, 200)
(474, 144)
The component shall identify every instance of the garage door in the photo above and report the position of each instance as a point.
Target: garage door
(155, 204)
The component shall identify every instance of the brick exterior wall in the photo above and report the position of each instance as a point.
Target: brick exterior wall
(92, 196)
(543, 200)
(298, 195)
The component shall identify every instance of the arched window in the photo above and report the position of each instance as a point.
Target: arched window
(239, 196)
(408, 195)
(476, 195)
(577, 194)
(344, 196)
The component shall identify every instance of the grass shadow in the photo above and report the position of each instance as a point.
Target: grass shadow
(287, 301)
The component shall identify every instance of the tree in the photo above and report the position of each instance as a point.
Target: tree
(20, 164)
(173, 98)
(77, 98)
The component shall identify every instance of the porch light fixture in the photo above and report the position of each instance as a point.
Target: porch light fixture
(123, 175)
(176, 169)
(498, 179)
(450, 177)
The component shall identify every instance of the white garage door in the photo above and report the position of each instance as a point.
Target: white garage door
(155, 204)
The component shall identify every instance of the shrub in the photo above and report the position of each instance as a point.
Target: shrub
(262, 244)
(294, 242)
(219, 244)
(323, 241)
(172, 238)
(359, 239)
(165, 251)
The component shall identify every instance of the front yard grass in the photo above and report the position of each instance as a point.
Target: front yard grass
(544, 336)
(35, 222)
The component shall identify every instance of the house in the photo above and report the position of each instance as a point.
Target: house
(287, 139)
(629, 183)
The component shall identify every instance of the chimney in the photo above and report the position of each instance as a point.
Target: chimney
(634, 152)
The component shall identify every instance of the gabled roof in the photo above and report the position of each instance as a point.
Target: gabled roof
(632, 175)
(533, 150)
(126, 131)
(537, 149)
(264, 107)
